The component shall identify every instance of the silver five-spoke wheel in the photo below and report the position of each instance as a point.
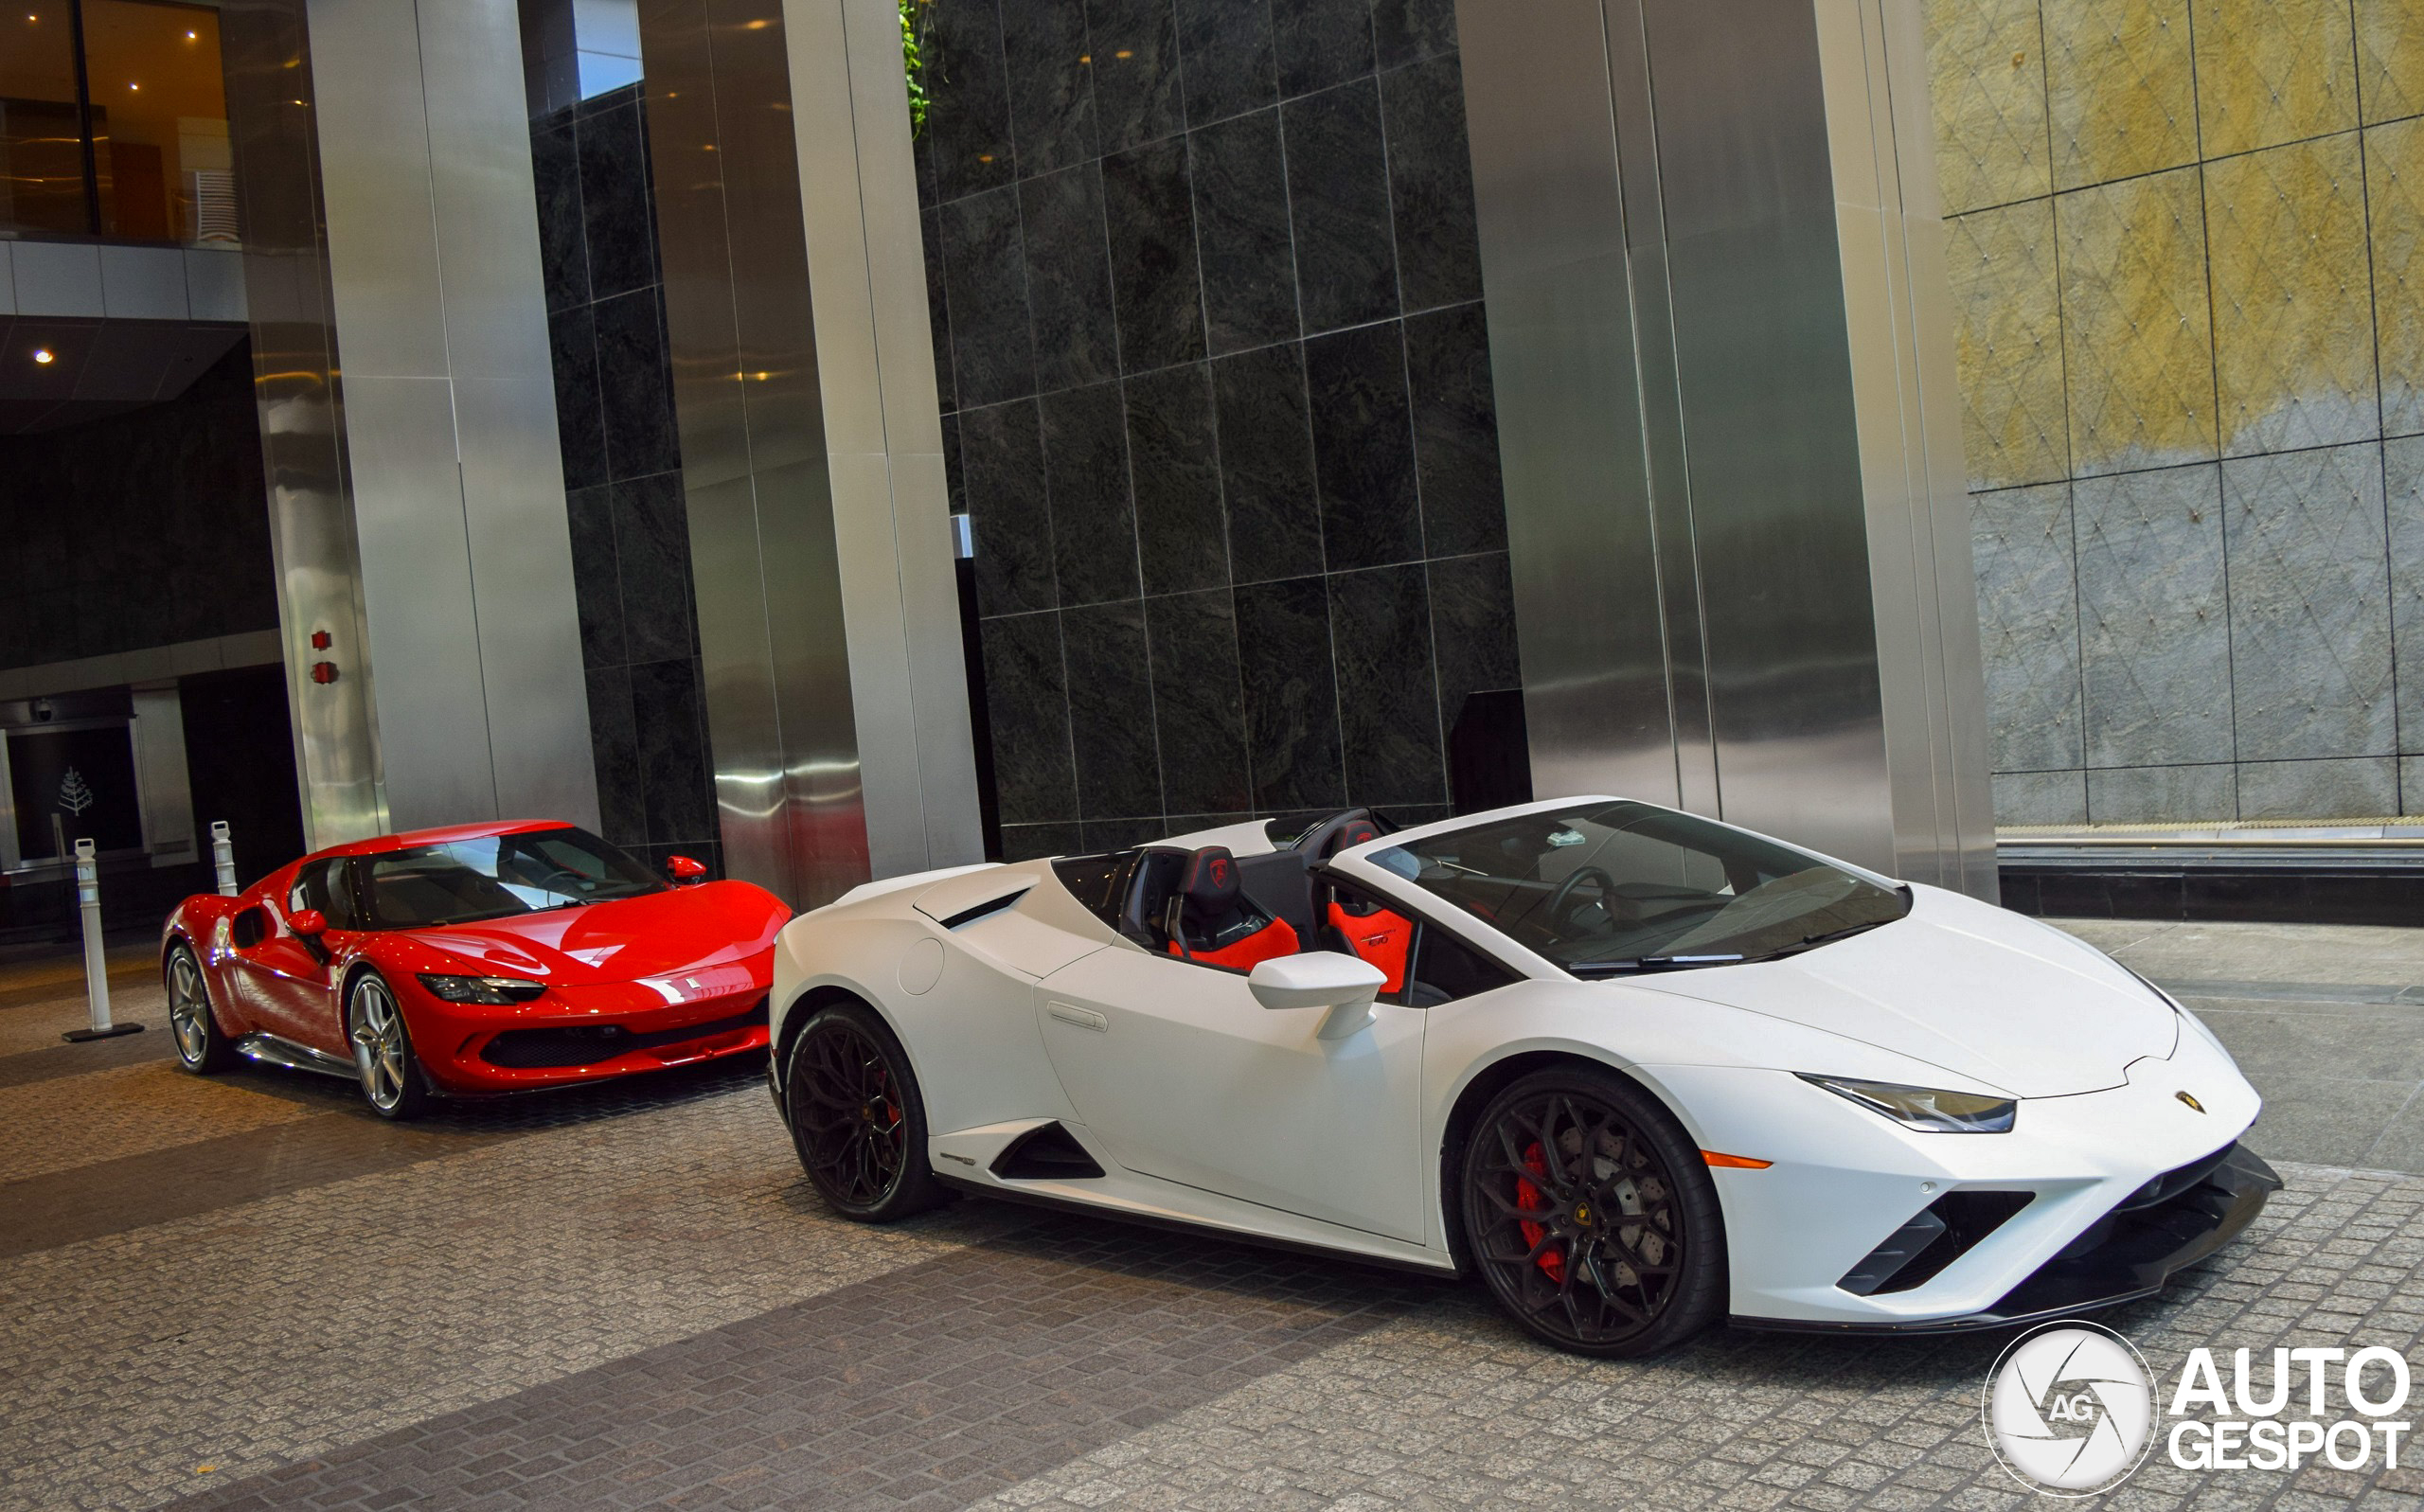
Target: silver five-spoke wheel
(201, 1045)
(382, 1050)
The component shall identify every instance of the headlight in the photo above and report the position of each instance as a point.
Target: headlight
(1928, 1110)
(496, 990)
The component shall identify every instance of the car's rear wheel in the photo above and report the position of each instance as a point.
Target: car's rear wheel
(383, 1049)
(856, 1118)
(203, 1047)
(1590, 1216)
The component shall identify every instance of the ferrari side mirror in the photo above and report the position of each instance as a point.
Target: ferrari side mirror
(685, 869)
(1346, 984)
(311, 923)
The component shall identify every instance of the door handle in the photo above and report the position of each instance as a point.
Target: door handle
(1082, 1018)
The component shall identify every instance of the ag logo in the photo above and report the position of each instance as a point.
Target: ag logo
(2069, 1409)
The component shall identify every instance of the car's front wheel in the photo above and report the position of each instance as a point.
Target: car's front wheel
(856, 1117)
(1591, 1215)
(203, 1047)
(383, 1049)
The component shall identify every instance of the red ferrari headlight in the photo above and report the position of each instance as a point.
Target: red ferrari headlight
(495, 990)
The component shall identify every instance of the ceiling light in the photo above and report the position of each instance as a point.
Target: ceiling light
(41, 355)
(193, 36)
(130, 84)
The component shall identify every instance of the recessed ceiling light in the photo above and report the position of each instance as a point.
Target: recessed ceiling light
(193, 36)
(41, 355)
(130, 84)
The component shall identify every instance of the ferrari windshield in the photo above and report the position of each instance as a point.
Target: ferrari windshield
(1613, 888)
(496, 876)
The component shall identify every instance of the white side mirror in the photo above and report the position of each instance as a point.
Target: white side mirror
(1320, 979)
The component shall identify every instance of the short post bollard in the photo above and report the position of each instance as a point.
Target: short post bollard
(222, 857)
(97, 964)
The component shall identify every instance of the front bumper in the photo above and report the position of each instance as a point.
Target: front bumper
(571, 1035)
(2128, 1255)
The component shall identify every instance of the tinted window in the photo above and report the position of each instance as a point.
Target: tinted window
(1612, 887)
(1094, 880)
(1446, 969)
(325, 885)
(498, 877)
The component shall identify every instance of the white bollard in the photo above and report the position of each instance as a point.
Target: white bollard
(222, 857)
(97, 964)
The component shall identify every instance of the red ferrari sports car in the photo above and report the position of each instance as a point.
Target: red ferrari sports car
(474, 960)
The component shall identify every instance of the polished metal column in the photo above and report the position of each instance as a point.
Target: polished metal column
(811, 454)
(417, 499)
(1721, 345)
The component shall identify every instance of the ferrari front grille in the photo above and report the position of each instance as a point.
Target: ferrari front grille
(586, 1044)
(1941, 1233)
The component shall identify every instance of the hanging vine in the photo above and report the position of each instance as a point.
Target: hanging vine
(917, 52)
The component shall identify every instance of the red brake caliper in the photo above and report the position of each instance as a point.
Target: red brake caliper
(1528, 1198)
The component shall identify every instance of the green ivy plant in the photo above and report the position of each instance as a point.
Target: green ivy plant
(916, 47)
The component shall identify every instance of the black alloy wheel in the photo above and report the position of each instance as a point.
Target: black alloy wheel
(856, 1118)
(1590, 1216)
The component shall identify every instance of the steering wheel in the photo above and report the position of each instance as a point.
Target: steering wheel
(1563, 895)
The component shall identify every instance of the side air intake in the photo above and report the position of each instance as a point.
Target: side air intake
(1048, 1153)
(1941, 1233)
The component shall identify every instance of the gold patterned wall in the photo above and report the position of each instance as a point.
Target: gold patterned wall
(2187, 248)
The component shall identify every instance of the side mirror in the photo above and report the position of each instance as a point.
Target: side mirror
(311, 923)
(1346, 984)
(684, 870)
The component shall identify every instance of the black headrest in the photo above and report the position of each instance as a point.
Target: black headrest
(1355, 834)
(1210, 879)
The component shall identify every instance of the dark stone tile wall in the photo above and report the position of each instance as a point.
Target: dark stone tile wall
(1216, 394)
(137, 530)
(630, 537)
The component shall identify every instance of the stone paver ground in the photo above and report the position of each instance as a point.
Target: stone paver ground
(249, 1294)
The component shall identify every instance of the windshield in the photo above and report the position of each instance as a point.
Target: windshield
(1616, 887)
(496, 878)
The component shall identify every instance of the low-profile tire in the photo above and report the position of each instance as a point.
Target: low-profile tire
(203, 1046)
(856, 1117)
(382, 1050)
(1590, 1216)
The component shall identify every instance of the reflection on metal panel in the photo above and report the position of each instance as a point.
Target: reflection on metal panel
(160, 776)
(784, 198)
(1723, 406)
(294, 367)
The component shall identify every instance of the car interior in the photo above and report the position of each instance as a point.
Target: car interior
(1215, 909)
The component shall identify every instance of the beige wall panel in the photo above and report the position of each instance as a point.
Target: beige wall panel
(2120, 88)
(2272, 71)
(2293, 321)
(2135, 334)
(2008, 335)
(2390, 59)
(1989, 101)
(2394, 196)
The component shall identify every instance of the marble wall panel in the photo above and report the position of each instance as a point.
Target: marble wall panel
(1988, 62)
(985, 281)
(2390, 59)
(1182, 537)
(2319, 789)
(2394, 199)
(2024, 552)
(1337, 197)
(2292, 300)
(1198, 703)
(1112, 730)
(1135, 68)
(1094, 524)
(2008, 337)
(1430, 186)
(1068, 278)
(1291, 690)
(2120, 88)
(1051, 87)
(1267, 464)
(2272, 71)
(2146, 795)
(2309, 604)
(1226, 52)
(1241, 233)
(2137, 335)
(2154, 628)
(1388, 696)
(2403, 480)
(2041, 797)
(1028, 704)
(1009, 510)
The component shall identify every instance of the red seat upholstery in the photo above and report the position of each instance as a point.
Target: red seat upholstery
(1213, 923)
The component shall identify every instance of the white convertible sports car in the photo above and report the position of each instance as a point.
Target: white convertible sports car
(1640, 1069)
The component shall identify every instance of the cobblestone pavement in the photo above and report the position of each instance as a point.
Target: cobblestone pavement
(247, 1293)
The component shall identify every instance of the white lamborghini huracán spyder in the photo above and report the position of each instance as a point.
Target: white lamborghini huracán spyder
(1639, 1069)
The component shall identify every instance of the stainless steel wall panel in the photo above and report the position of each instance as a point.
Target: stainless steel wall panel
(160, 776)
(1722, 377)
(417, 589)
(8, 280)
(215, 285)
(270, 87)
(1550, 213)
(57, 278)
(144, 283)
(375, 188)
(818, 618)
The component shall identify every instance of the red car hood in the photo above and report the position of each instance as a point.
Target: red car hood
(625, 940)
